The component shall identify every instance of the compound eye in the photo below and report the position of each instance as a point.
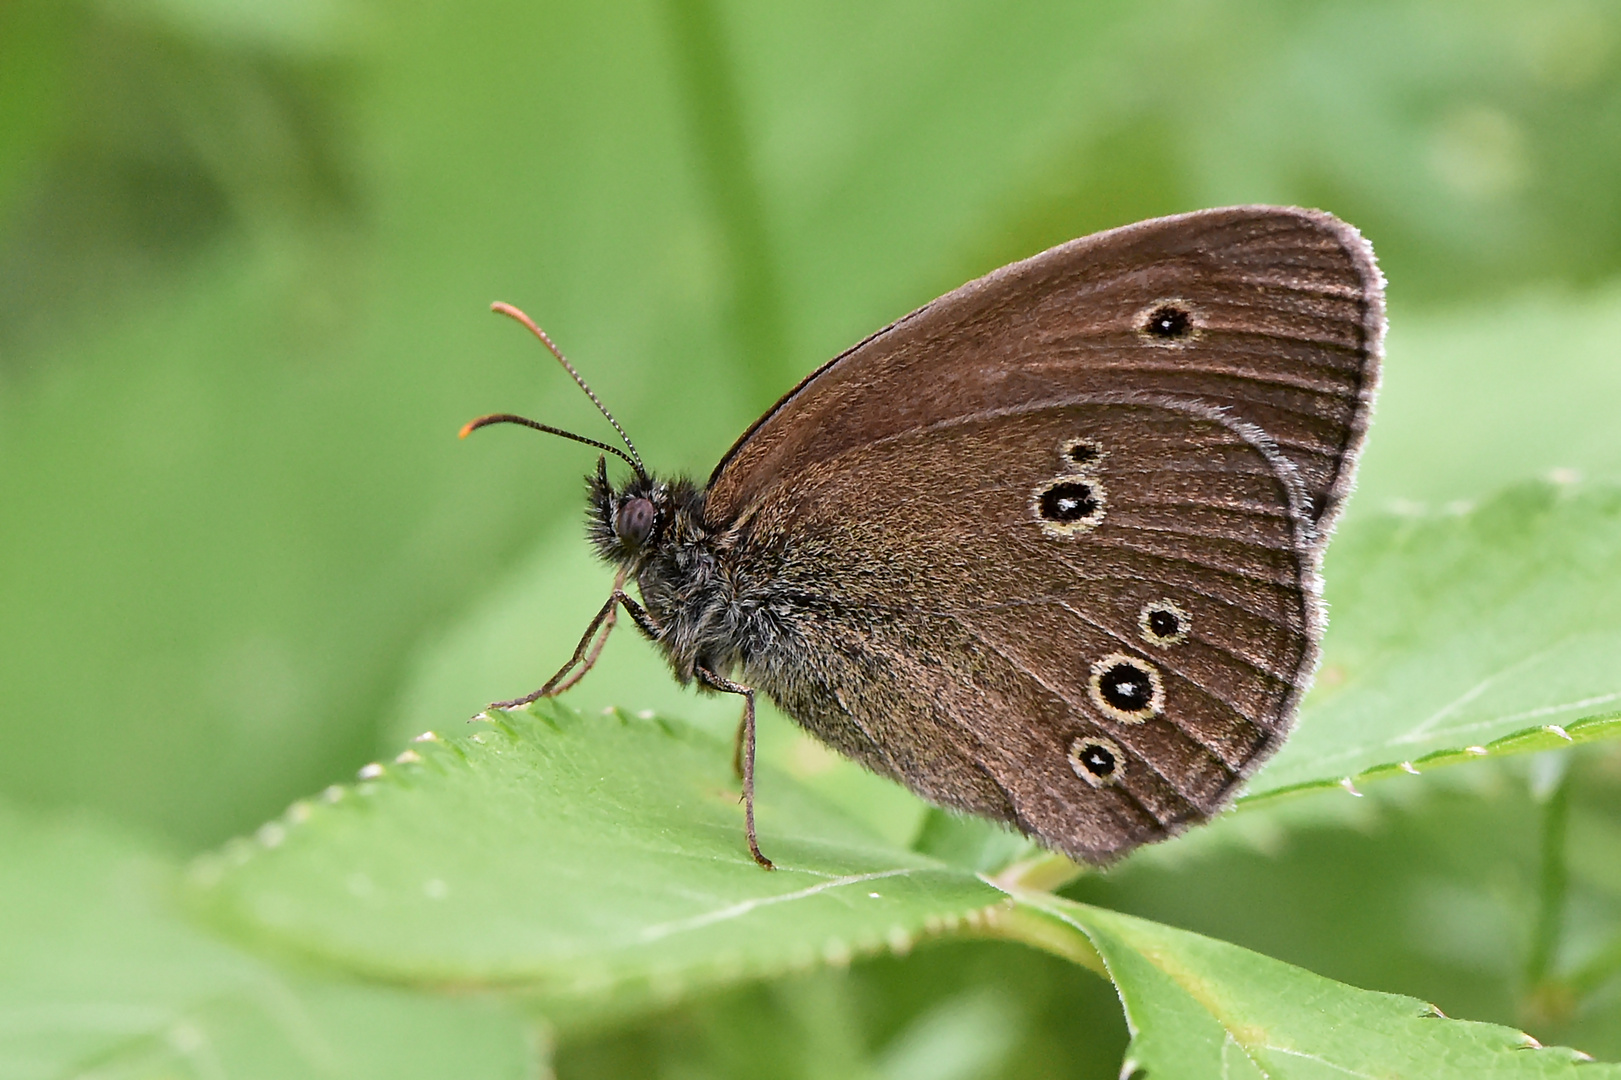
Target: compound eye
(634, 522)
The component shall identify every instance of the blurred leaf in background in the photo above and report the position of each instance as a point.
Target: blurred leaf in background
(245, 255)
(102, 976)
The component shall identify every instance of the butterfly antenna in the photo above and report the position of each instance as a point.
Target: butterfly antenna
(508, 418)
(513, 313)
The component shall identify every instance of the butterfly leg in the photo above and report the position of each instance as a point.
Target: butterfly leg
(727, 686)
(584, 652)
(554, 687)
(737, 744)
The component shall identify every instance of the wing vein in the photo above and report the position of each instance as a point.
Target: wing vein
(1036, 678)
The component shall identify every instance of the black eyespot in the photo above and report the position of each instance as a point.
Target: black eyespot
(1163, 623)
(1169, 322)
(1095, 760)
(1127, 688)
(1068, 502)
(1082, 452)
(634, 522)
(1068, 505)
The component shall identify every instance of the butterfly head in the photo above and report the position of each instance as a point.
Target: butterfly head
(627, 522)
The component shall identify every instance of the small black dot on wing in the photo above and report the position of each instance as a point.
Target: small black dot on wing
(1163, 623)
(1081, 454)
(1168, 322)
(1096, 760)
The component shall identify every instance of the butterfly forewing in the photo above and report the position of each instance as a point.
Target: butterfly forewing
(1274, 313)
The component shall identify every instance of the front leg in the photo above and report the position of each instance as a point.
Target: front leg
(590, 660)
(584, 653)
(727, 686)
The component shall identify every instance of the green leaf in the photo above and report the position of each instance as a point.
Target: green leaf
(1461, 412)
(1201, 1008)
(581, 858)
(1429, 888)
(98, 975)
(596, 865)
(1463, 632)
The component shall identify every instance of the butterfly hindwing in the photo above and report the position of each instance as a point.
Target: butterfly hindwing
(963, 644)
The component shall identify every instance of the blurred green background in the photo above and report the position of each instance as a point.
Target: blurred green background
(246, 252)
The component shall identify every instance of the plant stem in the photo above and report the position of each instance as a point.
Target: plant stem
(1034, 921)
(1554, 881)
(726, 170)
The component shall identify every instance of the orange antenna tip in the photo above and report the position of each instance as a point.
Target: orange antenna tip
(501, 307)
(485, 421)
(508, 418)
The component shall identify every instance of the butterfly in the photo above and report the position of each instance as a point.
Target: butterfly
(1045, 550)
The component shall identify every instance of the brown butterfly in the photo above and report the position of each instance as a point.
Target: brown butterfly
(1045, 549)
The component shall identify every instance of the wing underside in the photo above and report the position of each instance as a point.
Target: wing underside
(953, 635)
(1048, 545)
(1284, 314)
